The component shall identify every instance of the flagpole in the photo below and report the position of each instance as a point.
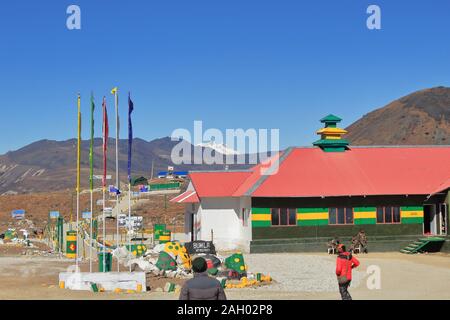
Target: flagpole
(78, 176)
(90, 236)
(129, 218)
(130, 143)
(116, 102)
(91, 178)
(105, 146)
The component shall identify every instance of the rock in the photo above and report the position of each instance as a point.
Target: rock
(169, 287)
(155, 272)
(159, 290)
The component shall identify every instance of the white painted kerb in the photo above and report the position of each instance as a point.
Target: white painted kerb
(107, 280)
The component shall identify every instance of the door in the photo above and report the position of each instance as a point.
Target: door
(429, 219)
(443, 223)
(435, 219)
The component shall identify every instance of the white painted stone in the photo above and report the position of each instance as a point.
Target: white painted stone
(107, 280)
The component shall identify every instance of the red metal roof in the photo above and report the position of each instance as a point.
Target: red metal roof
(442, 187)
(219, 183)
(257, 172)
(311, 172)
(189, 196)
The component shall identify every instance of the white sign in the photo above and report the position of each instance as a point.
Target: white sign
(108, 212)
(135, 222)
(100, 177)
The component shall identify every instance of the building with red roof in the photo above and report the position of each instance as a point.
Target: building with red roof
(303, 196)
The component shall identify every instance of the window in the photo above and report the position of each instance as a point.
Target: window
(292, 216)
(275, 216)
(341, 215)
(284, 216)
(332, 216)
(348, 215)
(388, 214)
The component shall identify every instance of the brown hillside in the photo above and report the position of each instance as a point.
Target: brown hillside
(156, 209)
(421, 118)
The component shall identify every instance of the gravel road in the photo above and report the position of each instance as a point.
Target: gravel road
(294, 272)
(297, 276)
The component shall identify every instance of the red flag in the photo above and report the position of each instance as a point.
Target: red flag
(105, 139)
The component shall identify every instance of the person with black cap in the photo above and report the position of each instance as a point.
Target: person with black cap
(202, 286)
(345, 262)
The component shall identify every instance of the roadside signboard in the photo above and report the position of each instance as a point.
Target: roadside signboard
(113, 190)
(108, 212)
(54, 214)
(100, 177)
(86, 215)
(18, 214)
(200, 246)
(134, 221)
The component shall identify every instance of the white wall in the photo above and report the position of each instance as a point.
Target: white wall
(224, 217)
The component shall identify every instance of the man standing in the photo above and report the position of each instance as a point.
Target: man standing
(202, 287)
(345, 262)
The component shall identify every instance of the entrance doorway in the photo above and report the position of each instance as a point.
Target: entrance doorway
(435, 219)
(443, 223)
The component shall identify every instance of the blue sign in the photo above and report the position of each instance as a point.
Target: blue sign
(113, 189)
(18, 214)
(54, 214)
(86, 215)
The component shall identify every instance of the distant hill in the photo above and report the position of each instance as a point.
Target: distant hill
(421, 118)
(51, 165)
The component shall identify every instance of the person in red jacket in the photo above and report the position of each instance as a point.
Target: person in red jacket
(345, 263)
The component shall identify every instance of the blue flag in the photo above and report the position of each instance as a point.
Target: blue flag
(130, 135)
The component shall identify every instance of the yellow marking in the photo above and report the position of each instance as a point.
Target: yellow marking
(411, 214)
(331, 137)
(312, 216)
(332, 131)
(365, 215)
(261, 217)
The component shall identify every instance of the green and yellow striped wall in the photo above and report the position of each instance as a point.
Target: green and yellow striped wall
(364, 215)
(312, 216)
(261, 217)
(411, 215)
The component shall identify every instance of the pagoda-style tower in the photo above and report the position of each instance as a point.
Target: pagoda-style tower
(331, 136)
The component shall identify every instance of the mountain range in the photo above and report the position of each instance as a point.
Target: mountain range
(48, 165)
(421, 118)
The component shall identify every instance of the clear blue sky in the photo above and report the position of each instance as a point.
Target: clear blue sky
(231, 63)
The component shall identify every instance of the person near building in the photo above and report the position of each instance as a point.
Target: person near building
(202, 286)
(345, 263)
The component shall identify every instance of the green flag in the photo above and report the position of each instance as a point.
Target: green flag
(91, 150)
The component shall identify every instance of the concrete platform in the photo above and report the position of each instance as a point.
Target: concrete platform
(107, 280)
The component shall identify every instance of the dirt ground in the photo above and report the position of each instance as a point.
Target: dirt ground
(154, 209)
(425, 276)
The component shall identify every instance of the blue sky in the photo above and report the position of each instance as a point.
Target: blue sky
(233, 64)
